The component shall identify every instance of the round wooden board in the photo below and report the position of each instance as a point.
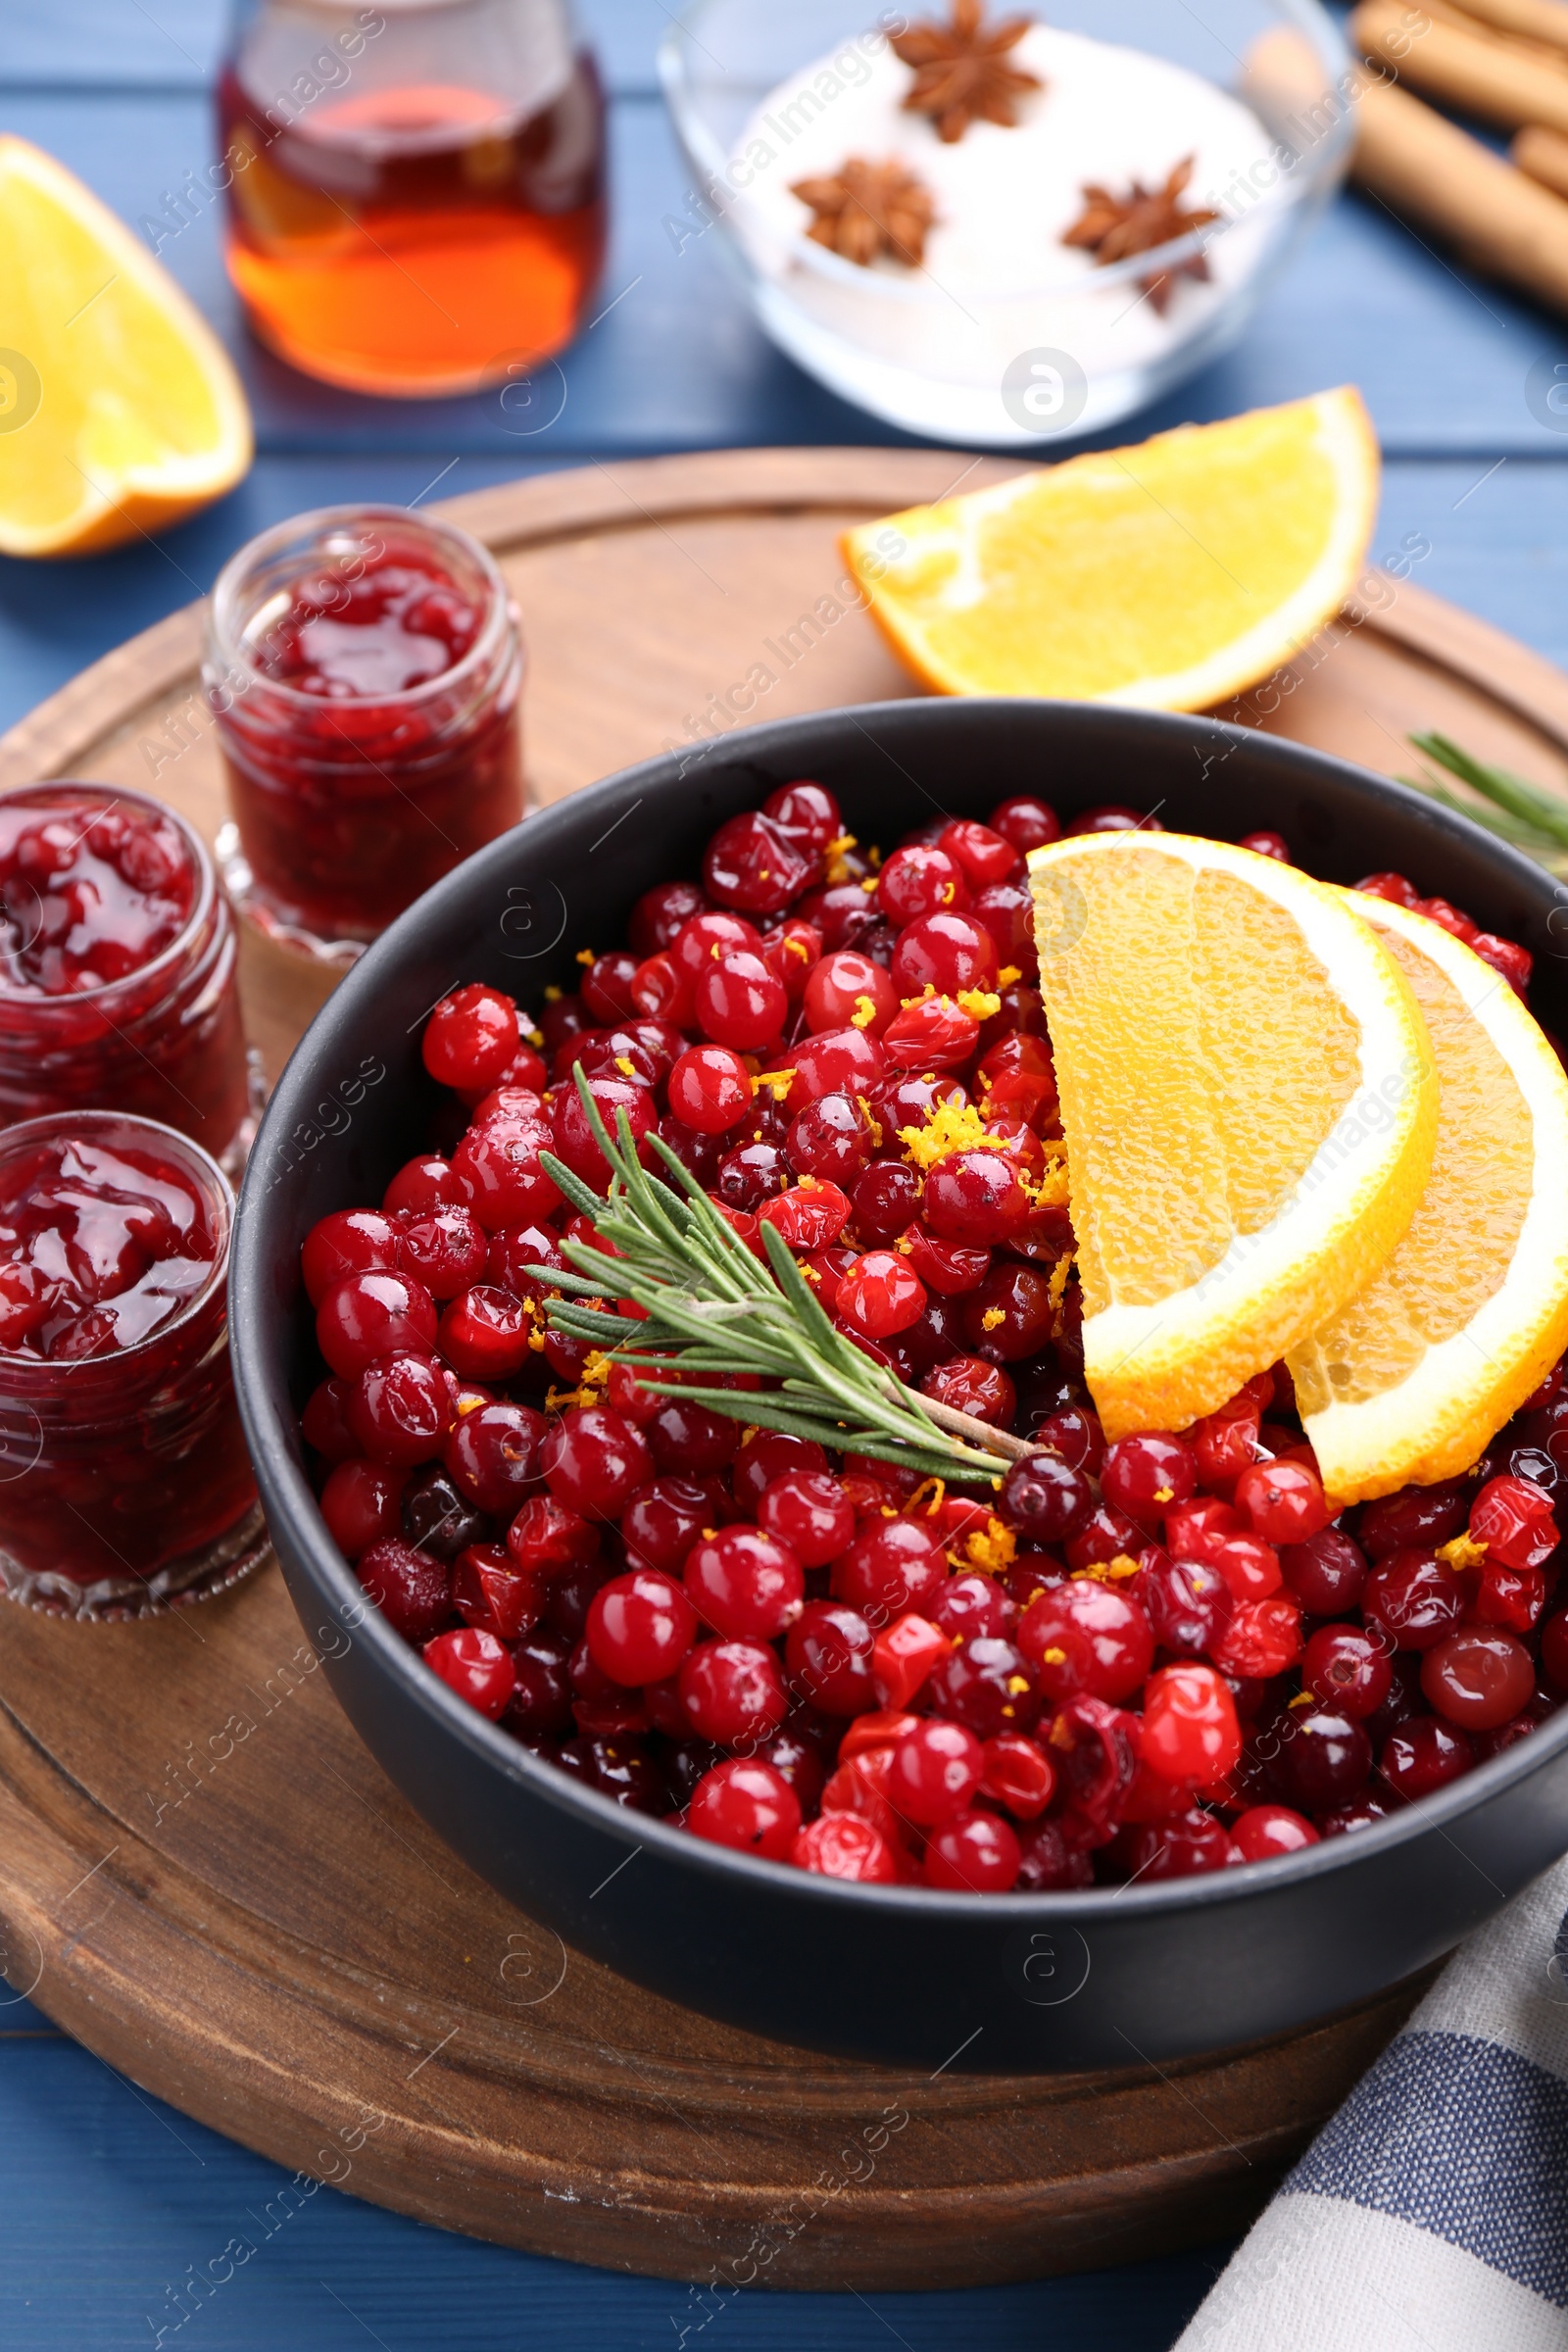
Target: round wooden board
(204, 1877)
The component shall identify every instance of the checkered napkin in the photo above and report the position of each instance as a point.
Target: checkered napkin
(1431, 2214)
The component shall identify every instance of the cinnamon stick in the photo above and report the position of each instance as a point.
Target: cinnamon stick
(1544, 154)
(1485, 77)
(1432, 172)
(1529, 19)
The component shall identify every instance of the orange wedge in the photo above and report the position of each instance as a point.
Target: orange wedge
(1413, 1378)
(120, 411)
(1169, 575)
(1249, 1107)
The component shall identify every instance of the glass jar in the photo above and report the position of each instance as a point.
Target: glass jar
(414, 191)
(365, 672)
(125, 1482)
(117, 959)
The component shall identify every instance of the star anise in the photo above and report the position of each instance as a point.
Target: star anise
(1115, 227)
(961, 70)
(863, 210)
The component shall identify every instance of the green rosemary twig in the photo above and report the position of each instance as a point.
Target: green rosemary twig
(1533, 820)
(713, 1307)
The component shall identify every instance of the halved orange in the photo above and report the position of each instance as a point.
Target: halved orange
(1411, 1380)
(1248, 1100)
(120, 411)
(1169, 575)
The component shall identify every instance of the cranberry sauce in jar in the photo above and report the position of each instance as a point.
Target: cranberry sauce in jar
(123, 1477)
(365, 668)
(116, 966)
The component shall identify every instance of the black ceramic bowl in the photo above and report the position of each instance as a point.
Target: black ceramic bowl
(1026, 1982)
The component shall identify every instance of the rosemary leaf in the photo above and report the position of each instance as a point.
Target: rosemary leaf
(1545, 811)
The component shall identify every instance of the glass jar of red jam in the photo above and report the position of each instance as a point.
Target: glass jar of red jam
(125, 1482)
(118, 957)
(365, 669)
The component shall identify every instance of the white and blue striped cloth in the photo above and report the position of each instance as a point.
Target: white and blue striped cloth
(1431, 2214)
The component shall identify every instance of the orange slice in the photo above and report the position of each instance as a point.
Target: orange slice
(120, 411)
(1250, 1105)
(1411, 1380)
(1169, 575)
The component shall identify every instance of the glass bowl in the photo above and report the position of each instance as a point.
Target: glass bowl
(1011, 338)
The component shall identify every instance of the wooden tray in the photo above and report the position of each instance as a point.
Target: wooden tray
(204, 1876)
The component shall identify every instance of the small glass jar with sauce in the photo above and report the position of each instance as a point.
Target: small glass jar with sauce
(124, 1483)
(118, 957)
(365, 669)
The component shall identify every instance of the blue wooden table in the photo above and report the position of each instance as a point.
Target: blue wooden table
(107, 2199)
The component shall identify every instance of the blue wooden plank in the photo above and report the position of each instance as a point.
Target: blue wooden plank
(679, 362)
(113, 2203)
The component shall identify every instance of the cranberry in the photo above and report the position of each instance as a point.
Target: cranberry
(829, 1139)
(1114, 816)
(1323, 1761)
(972, 1854)
(1190, 1727)
(798, 1761)
(935, 1771)
(1404, 1697)
(689, 1441)
(1043, 1499)
(1010, 1316)
(953, 1269)
(1018, 1775)
(400, 1410)
(1105, 1536)
(975, 1195)
(809, 1513)
(843, 1845)
(1188, 1605)
(967, 1383)
(618, 1767)
(1359, 1816)
(412, 1591)
(918, 882)
(1251, 1567)
(886, 1199)
(1049, 1863)
(986, 1685)
(352, 1240)
(897, 1565)
(1182, 1847)
(710, 1088)
(437, 1518)
(1262, 1637)
(934, 1033)
(839, 1062)
(607, 985)
(1478, 1678)
(1074, 1432)
(548, 1536)
(1028, 824)
(446, 1249)
(1282, 1501)
(1147, 1473)
(1417, 1519)
(659, 914)
(752, 864)
(1263, 1831)
(1506, 958)
(370, 1315)
(970, 1606)
(1414, 1598)
(427, 1182)
(1392, 887)
(493, 1456)
(947, 953)
(540, 1706)
(476, 1666)
(809, 1218)
(361, 1503)
(807, 813)
(470, 1038)
(828, 1653)
(745, 1582)
(879, 1295)
(1347, 1669)
(486, 1334)
(748, 1806)
(740, 1002)
(595, 1461)
(750, 1174)
(662, 991)
(767, 1456)
(575, 1143)
(847, 988)
(732, 1692)
(324, 1424)
(1326, 1574)
(984, 856)
(1087, 1638)
(1514, 1521)
(1423, 1756)
(640, 1627)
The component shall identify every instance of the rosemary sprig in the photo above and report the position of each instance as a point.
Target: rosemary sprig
(1533, 820)
(713, 1307)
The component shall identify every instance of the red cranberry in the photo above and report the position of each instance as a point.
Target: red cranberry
(1423, 1756)
(1190, 1727)
(1262, 1637)
(1074, 1432)
(1145, 1475)
(809, 1512)
(1087, 1638)
(446, 1249)
(1514, 1521)
(918, 882)
(1347, 1669)
(934, 1033)
(750, 1174)
(747, 1805)
(1179, 1848)
(1019, 1776)
(1251, 1567)
(487, 1590)
(984, 856)
(1267, 845)
(967, 1383)
(470, 1038)
(499, 1169)
(732, 1692)
(936, 1769)
(972, 1854)
(986, 1685)
(953, 1269)
(1415, 1597)
(1007, 910)
(1326, 1574)
(1417, 1519)
(1093, 1747)
(809, 1218)
(745, 1582)
(370, 1315)
(412, 1591)
(689, 1441)
(1360, 1816)
(840, 988)
(828, 1654)
(351, 1240)
(769, 1455)
(1114, 816)
(829, 1139)
(806, 814)
(879, 1295)
(618, 1767)
(400, 1409)
(540, 1706)
(971, 1606)
(947, 953)
(1282, 1501)
(476, 1666)
(1263, 1831)
(640, 1627)
(425, 1183)
(1478, 1678)
(841, 1845)
(485, 1334)
(324, 1424)
(754, 865)
(1044, 1501)
(362, 1504)
(662, 1521)
(894, 1566)
(574, 1138)
(739, 1002)
(549, 1538)
(660, 913)
(595, 1461)
(1011, 1314)
(975, 1195)
(710, 1088)
(1324, 1759)
(1029, 824)
(607, 985)
(493, 1456)
(1049, 1863)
